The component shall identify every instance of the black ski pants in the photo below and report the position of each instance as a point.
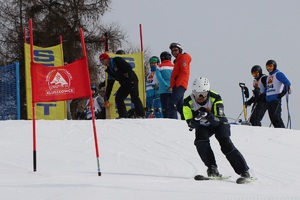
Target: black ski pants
(258, 111)
(222, 134)
(274, 111)
(122, 93)
(165, 99)
(176, 102)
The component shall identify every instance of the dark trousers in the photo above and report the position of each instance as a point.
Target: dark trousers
(274, 110)
(122, 93)
(258, 111)
(165, 101)
(176, 102)
(222, 134)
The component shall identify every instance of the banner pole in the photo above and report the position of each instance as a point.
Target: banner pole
(142, 59)
(33, 104)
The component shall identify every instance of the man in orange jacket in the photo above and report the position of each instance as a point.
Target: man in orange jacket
(179, 79)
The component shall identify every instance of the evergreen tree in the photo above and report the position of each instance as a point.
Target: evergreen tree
(52, 18)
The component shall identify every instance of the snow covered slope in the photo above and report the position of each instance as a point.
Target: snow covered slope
(141, 159)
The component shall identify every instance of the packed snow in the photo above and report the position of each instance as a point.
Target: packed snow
(141, 159)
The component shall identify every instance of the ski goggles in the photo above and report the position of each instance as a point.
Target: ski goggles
(270, 66)
(200, 95)
(102, 61)
(256, 73)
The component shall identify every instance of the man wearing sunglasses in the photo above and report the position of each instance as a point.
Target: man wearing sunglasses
(179, 80)
(204, 111)
(258, 99)
(277, 86)
(118, 69)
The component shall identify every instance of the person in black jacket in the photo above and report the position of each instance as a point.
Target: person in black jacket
(204, 111)
(118, 69)
(258, 99)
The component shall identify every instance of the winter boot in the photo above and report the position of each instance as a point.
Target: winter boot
(212, 171)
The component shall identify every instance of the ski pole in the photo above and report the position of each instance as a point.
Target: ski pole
(289, 121)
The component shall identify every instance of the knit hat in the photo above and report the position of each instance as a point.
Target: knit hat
(104, 56)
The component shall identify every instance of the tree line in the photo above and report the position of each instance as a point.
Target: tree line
(52, 19)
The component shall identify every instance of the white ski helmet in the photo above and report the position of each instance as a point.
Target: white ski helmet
(201, 86)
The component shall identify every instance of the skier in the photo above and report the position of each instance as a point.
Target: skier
(258, 99)
(98, 106)
(204, 111)
(277, 86)
(179, 80)
(153, 104)
(163, 74)
(120, 70)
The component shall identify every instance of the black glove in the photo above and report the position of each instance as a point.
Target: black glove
(280, 95)
(193, 124)
(289, 90)
(200, 114)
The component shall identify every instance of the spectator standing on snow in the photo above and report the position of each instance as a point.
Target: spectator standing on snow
(153, 104)
(277, 86)
(179, 79)
(204, 111)
(258, 99)
(163, 74)
(120, 70)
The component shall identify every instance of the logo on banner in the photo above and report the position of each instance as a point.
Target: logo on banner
(59, 82)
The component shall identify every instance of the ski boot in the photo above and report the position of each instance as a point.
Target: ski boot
(212, 171)
(245, 178)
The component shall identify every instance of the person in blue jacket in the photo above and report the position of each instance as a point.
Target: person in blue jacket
(163, 75)
(277, 86)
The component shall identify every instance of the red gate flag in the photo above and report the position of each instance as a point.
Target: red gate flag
(60, 83)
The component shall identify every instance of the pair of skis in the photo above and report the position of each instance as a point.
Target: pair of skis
(240, 180)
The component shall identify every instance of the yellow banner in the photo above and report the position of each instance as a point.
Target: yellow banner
(136, 60)
(50, 56)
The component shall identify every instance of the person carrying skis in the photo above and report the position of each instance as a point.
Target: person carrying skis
(118, 69)
(277, 86)
(179, 80)
(204, 111)
(163, 74)
(153, 104)
(258, 99)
